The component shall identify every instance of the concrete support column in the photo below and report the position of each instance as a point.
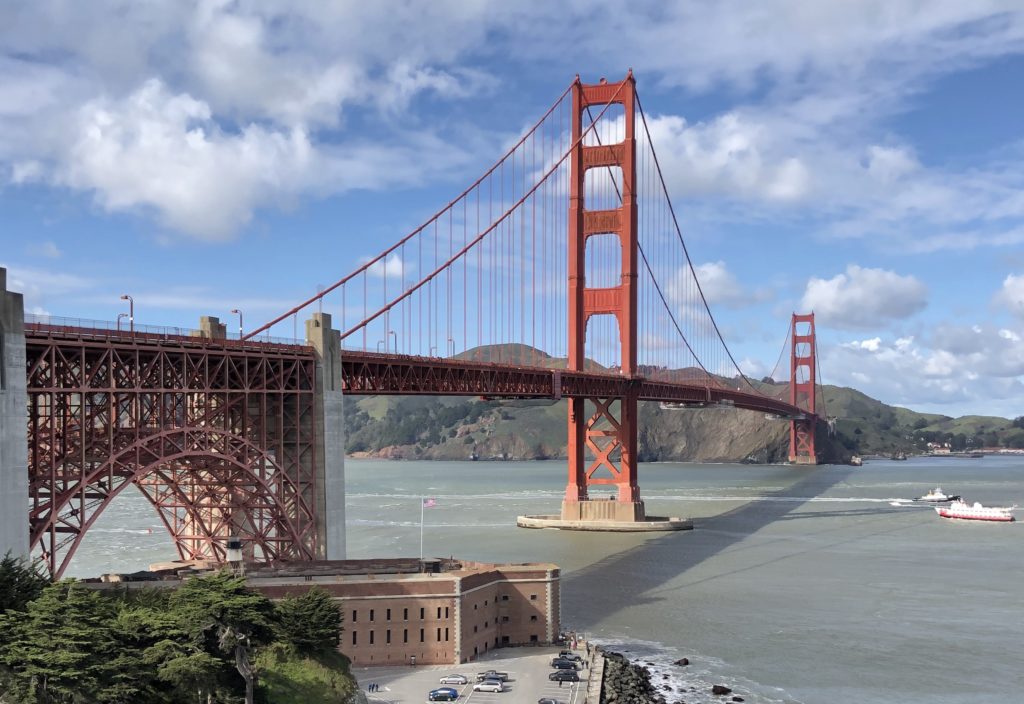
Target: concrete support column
(13, 424)
(330, 430)
(211, 328)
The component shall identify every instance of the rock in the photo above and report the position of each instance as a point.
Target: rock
(682, 662)
(664, 677)
(737, 699)
(720, 690)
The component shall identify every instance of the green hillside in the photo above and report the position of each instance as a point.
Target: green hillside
(469, 428)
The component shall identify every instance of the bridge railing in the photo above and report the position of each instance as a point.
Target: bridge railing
(108, 330)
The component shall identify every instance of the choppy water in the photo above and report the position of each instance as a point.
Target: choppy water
(798, 584)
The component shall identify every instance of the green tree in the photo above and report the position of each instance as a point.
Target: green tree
(311, 623)
(225, 619)
(19, 584)
(63, 648)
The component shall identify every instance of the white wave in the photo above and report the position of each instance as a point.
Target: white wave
(694, 681)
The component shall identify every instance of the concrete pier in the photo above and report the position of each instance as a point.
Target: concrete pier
(13, 424)
(649, 524)
(330, 430)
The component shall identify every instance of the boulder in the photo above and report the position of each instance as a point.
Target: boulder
(720, 690)
(682, 662)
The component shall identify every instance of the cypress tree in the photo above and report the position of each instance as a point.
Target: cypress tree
(311, 623)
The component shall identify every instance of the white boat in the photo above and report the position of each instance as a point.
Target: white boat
(976, 512)
(937, 496)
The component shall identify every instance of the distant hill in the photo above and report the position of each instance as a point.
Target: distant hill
(466, 428)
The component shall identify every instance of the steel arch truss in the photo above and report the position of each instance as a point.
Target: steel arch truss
(219, 437)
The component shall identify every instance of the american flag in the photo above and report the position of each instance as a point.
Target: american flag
(429, 503)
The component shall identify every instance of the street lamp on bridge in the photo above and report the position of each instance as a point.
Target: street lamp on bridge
(239, 314)
(119, 316)
(392, 332)
(131, 311)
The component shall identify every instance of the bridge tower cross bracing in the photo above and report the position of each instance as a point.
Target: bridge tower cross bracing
(609, 431)
(802, 389)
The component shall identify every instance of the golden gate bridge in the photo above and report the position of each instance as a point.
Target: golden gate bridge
(562, 272)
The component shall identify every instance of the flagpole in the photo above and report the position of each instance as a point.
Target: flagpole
(421, 528)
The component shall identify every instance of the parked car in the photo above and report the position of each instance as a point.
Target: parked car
(548, 700)
(569, 655)
(564, 676)
(489, 686)
(563, 664)
(443, 694)
(454, 679)
(492, 675)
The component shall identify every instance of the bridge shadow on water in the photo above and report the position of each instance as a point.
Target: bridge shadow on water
(644, 574)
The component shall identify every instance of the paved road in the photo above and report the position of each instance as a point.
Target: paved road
(528, 670)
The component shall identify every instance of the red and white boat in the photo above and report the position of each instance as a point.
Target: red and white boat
(976, 512)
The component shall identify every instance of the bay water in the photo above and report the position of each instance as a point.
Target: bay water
(798, 584)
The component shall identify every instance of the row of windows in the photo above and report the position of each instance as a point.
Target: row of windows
(405, 614)
(405, 636)
(504, 619)
(504, 597)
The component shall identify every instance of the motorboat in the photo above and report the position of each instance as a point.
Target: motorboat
(976, 512)
(937, 496)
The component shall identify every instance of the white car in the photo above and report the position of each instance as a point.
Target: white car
(454, 679)
(489, 686)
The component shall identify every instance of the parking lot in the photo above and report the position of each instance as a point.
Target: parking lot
(528, 670)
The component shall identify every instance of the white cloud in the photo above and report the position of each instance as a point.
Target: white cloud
(392, 266)
(864, 298)
(730, 155)
(277, 81)
(722, 288)
(1011, 294)
(957, 369)
(163, 151)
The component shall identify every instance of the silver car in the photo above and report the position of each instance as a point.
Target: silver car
(489, 686)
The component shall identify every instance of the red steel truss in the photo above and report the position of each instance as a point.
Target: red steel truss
(370, 373)
(802, 387)
(218, 435)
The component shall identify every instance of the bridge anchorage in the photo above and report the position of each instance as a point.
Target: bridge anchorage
(499, 295)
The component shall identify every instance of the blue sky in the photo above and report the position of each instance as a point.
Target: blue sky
(864, 159)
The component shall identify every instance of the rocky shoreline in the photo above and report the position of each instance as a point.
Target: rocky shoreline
(626, 682)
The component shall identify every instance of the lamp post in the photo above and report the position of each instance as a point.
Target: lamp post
(239, 314)
(131, 312)
(451, 344)
(119, 316)
(379, 343)
(392, 332)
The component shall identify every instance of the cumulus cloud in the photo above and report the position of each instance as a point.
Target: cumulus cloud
(392, 267)
(722, 288)
(164, 151)
(271, 85)
(1011, 294)
(731, 155)
(954, 369)
(864, 298)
